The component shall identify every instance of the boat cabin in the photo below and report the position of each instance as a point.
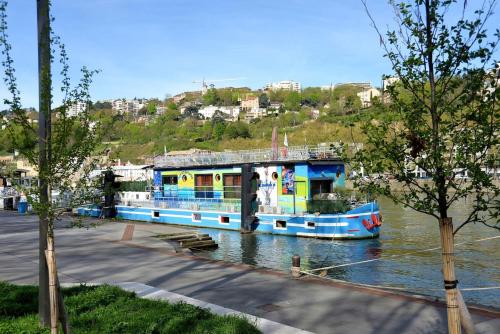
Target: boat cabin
(280, 187)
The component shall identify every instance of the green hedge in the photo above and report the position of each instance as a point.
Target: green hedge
(133, 186)
(327, 206)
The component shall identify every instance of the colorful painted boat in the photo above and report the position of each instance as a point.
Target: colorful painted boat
(294, 194)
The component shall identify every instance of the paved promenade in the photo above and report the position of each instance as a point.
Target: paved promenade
(100, 255)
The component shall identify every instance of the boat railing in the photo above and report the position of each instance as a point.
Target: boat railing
(211, 204)
(185, 203)
(292, 153)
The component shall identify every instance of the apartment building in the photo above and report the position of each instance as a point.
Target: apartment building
(124, 106)
(250, 103)
(232, 112)
(284, 85)
(367, 95)
(76, 108)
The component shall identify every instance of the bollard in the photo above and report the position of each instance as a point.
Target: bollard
(295, 266)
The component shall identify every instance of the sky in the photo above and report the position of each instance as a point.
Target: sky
(151, 48)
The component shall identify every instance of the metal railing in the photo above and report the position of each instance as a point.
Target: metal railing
(195, 204)
(293, 153)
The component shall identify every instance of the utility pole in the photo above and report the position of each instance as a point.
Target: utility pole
(44, 133)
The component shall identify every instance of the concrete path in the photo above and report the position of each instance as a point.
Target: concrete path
(100, 255)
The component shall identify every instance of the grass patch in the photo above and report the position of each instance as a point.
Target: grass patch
(108, 309)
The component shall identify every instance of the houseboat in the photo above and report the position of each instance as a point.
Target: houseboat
(295, 192)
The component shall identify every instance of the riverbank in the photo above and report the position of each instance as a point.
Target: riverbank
(101, 255)
(399, 187)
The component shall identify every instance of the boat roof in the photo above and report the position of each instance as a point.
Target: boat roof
(319, 154)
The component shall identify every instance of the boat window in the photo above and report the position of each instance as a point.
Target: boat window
(321, 187)
(169, 180)
(196, 217)
(156, 214)
(232, 185)
(223, 219)
(280, 224)
(311, 224)
(204, 186)
(169, 183)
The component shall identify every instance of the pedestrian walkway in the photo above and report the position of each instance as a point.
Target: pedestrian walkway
(100, 255)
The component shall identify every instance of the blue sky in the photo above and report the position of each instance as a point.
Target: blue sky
(150, 48)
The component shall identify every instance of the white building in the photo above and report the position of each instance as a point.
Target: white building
(232, 112)
(76, 108)
(389, 81)
(124, 106)
(249, 103)
(255, 113)
(179, 97)
(285, 85)
(160, 110)
(367, 95)
(128, 172)
(120, 106)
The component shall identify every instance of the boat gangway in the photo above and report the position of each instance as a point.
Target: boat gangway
(285, 154)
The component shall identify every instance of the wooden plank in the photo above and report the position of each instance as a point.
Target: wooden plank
(197, 243)
(183, 237)
(174, 234)
(188, 241)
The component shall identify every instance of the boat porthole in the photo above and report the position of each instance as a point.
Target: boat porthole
(275, 176)
(217, 177)
(184, 178)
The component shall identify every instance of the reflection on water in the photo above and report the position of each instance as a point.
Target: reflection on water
(404, 231)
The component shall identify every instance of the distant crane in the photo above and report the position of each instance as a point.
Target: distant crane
(205, 84)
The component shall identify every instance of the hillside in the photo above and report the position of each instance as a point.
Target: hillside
(134, 141)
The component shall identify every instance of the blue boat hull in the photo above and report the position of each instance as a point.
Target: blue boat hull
(359, 223)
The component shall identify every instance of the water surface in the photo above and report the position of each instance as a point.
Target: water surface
(403, 231)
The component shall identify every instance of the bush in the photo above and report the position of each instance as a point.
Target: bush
(327, 206)
(133, 186)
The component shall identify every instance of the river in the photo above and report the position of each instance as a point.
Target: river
(403, 231)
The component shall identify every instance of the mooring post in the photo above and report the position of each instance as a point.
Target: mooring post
(295, 266)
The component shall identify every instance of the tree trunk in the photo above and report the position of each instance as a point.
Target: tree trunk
(450, 282)
(44, 87)
(51, 263)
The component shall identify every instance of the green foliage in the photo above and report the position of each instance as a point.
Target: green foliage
(218, 129)
(292, 101)
(17, 300)
(263, 101)
(442, 116)
(107, 309)
(151, 108)
(101, 105)
(73, 138)
(315, 97)
(133, 186)
(211, 97)
(327, 206)
(171, 106)
(237, 130)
